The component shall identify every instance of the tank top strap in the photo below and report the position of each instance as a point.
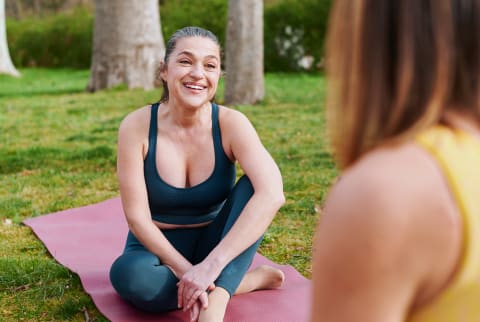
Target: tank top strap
(217, 139)
(152, 132)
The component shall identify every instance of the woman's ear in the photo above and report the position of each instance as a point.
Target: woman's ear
(162, 70)
(159, 75)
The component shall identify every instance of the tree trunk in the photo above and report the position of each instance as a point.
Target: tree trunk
(6, 66)
(127, 44)
(37, 8)
(71, 4)
(244, 83)
(13, 8)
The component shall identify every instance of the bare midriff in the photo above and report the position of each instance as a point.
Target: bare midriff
(162, 225)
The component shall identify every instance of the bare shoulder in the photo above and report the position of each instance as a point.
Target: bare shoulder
(232, 124)
(239, 137)
(231, 117)
(133, 132)
(396, 186)
(394, 205)
(136, 121)
(374, 197)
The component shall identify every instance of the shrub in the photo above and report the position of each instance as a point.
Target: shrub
(294, 30)
(62, 40)
(211, 15)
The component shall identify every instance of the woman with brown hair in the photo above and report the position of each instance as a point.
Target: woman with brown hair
(399, 237)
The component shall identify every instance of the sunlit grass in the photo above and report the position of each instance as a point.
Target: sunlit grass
(58, 150)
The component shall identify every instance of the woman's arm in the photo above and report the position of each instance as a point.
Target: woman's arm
(132, 146)
(358, 273)
(264, 174)
(242, 143)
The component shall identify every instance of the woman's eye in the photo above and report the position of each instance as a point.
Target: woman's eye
(211, 66)
(185, 62)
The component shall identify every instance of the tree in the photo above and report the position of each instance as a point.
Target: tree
(71, 4)
(127, 44)
(244, 81)
(14, 9)
(6, 66)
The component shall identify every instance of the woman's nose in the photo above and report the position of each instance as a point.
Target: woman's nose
(196, 71)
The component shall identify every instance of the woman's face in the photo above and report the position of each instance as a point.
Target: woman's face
(192, 72)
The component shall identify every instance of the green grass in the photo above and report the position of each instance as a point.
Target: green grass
(58, 150)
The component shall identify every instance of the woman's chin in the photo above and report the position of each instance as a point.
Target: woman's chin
(195, 102)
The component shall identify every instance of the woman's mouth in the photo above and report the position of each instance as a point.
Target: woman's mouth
(194, 86)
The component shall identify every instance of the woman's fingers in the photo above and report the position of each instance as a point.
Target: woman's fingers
(190, 287)
(180, 294)
(187, 293)
(195, 312)
(211, 287)
(192, 299)
(201, 303)
(203, 299)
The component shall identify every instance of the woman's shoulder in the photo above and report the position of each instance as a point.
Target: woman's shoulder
(398, 189)
(389, 223)
(134, 128)
(231, 119)
(396, 200)
(137, 119)
(394, 173)
(229, 113)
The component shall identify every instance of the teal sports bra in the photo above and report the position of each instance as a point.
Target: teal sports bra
(192, 205)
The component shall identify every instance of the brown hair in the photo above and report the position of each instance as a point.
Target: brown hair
(395, 66)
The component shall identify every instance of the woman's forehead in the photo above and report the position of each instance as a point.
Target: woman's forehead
(201, 46)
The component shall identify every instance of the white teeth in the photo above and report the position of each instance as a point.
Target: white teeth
(194, 86)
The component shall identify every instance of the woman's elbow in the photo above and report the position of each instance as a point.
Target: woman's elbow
(272, 198)
(136, 226)
(277, 199)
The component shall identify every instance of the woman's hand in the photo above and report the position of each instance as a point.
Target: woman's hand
(195, 310)
(194, 285)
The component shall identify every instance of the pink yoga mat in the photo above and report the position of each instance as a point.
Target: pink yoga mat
(88, 239)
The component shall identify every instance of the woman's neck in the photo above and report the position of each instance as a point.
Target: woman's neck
(186, 117)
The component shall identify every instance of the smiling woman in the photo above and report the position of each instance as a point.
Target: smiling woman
(187, 57)
(193, 231)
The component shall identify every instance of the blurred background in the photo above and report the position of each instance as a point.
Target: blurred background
(58, 33)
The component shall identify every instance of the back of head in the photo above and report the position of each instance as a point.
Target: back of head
(395, 67)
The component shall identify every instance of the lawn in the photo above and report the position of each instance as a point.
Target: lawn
(58, 150)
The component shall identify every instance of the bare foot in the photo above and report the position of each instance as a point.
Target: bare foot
(261, 278)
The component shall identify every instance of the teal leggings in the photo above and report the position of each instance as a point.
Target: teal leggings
(140, 278)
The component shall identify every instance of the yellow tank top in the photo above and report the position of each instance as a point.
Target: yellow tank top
(458, 155)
